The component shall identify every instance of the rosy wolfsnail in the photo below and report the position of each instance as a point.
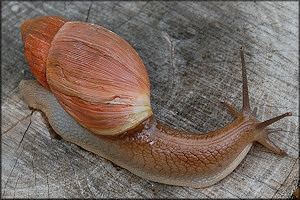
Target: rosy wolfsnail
(95, 91)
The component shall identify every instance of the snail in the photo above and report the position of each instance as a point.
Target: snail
(94, 89)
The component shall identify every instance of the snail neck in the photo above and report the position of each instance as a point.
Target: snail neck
(205, 158)
(152, 128)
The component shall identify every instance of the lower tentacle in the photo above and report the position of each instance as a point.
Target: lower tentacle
(265, 141)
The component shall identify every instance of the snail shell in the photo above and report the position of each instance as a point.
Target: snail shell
(95, 75)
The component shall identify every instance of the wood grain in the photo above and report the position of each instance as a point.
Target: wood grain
(191, 52)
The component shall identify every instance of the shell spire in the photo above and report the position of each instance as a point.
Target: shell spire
(37, 35)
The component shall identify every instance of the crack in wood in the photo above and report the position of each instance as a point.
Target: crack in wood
(15, 124)
(283, 185)
(16, 185)
(131, 17)
(11, 92)
(48, 192)
(88, 14)
(17, 155)
(175, 83)
(25, 131)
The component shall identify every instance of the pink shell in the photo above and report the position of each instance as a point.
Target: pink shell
(98, 78)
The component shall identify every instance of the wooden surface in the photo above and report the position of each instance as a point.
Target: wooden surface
(191, 52)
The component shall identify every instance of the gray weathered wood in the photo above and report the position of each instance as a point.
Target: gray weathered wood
(186, 88)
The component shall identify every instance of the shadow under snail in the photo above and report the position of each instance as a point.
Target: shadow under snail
(95, 91)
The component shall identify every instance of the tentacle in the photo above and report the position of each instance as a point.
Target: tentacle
(231, 109)
(263, 133)
(246, 104)
(265, 140)
(264, 124)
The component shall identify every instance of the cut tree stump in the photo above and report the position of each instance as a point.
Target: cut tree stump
(191, 52)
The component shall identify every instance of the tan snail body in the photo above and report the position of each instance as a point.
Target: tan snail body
(86, 71)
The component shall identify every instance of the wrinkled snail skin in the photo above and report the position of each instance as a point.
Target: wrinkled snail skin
(157, 152)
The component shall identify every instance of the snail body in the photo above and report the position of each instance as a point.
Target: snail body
(95, 91)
